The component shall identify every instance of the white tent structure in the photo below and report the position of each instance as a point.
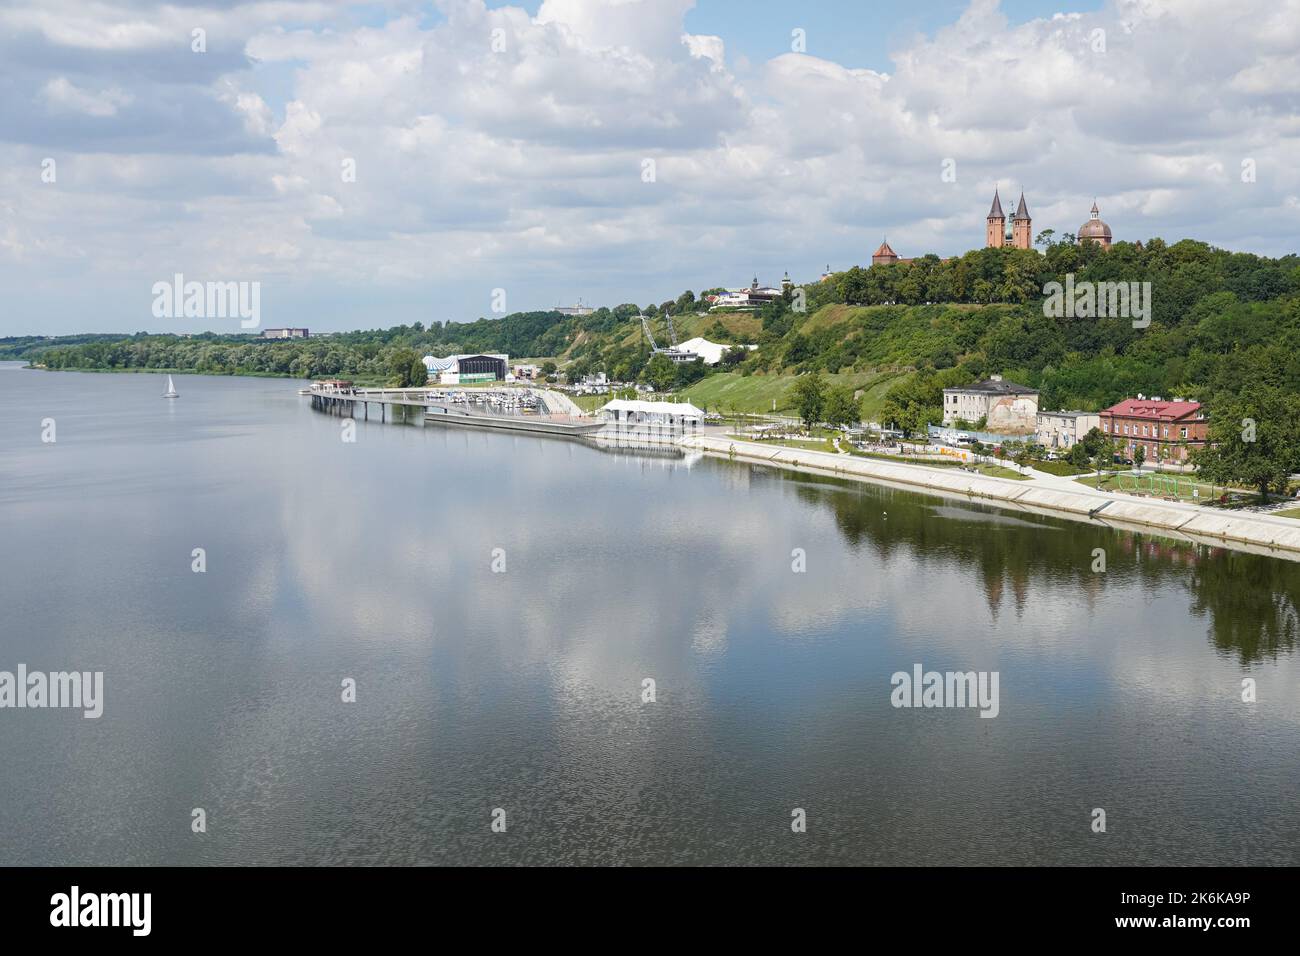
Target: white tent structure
(637, 412)
(711, 352)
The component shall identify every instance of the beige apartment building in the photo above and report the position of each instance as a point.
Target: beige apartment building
(1063, 430)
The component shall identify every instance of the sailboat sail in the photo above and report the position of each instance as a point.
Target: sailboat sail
(171, 389)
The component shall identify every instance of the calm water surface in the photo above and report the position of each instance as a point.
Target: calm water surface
(522, 690)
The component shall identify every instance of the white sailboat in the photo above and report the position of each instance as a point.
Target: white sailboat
(171, 389)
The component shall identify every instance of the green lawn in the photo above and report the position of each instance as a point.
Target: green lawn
(589, 403)
(811, 444)
(1162, 488)
(1289, 513)
(723, 391)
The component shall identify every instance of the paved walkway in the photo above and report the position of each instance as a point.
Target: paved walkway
(561, 404)
(1061, 481)
(1052, 493)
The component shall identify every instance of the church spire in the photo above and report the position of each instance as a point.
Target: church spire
(1022, 211)
(996, 211)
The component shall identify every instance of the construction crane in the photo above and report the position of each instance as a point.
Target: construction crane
(645, 326)
(673, 353)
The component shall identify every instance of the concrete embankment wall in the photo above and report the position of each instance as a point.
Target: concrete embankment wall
(517, 423)
(1264, 534)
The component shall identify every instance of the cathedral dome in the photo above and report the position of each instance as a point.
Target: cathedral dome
(1095, 228)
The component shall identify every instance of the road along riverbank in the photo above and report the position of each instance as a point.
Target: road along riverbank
(1261, 534)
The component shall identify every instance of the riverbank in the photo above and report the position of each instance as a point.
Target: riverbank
(1261, 534)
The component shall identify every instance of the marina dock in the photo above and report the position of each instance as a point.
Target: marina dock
(528, 412)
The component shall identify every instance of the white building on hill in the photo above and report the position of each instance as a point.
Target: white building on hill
(754, 297)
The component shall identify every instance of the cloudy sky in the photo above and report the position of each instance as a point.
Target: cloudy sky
(499, 146)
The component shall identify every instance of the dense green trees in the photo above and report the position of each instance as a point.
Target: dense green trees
(407, 368)
(809, 394)
(841, 407)
(1255, 438)
(1096, 446)
(818, 402)
(660, 372)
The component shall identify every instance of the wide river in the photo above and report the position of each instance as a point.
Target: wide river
(499, 602)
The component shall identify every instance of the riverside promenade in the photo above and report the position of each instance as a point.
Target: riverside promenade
(1040, 493)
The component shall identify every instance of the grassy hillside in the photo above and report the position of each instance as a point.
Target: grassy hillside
(725, 391)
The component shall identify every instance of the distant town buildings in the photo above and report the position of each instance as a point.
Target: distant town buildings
(578, 309)
(754, 297)
(523, 371)
(1007, 408)
(467, 369)
(1015, 233)
(1064, 429)
(284, 334)
(1166, 431)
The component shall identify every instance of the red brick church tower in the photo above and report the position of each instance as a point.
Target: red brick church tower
(1020, 236)
(997, 229)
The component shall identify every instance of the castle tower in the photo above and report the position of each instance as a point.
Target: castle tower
(1021, 226)
(884, 256)
(996, 234)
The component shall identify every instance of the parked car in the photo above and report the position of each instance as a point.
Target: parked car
(1121, 460)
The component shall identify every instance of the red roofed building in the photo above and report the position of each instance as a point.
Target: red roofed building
(884, 256)
(1167, 430)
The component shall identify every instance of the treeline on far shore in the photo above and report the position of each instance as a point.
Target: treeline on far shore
(220, 355)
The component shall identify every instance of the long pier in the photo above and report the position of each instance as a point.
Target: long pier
(343, 399)
(347, 399)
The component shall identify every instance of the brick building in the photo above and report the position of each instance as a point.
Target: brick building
(1168, 431)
